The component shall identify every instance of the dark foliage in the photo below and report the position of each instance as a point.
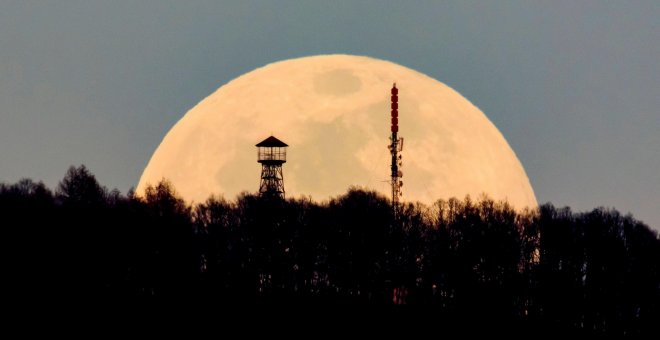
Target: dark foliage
(594, 273)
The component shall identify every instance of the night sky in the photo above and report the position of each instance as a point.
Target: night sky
(574, 86)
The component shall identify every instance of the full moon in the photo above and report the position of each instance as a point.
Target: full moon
(334, 113)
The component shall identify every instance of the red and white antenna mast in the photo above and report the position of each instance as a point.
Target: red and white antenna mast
(395, 147)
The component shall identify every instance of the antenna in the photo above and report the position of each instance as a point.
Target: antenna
(395, 147)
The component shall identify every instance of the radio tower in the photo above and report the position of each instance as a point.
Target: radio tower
(395, 147)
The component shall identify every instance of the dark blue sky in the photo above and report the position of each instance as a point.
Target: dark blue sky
(574, 86)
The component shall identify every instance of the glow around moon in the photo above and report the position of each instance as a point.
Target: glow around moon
(333, 111)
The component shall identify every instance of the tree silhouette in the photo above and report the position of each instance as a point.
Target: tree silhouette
(79, 187)
(547, 270)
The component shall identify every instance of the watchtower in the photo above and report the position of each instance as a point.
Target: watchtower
(271, 154)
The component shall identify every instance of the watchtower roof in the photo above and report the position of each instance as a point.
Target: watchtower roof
(272, 142)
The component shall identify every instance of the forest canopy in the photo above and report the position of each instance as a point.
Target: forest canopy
(597, 271)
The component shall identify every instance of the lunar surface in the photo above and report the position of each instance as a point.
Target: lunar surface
(334, 113)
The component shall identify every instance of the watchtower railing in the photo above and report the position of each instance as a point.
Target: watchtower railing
(271, 154)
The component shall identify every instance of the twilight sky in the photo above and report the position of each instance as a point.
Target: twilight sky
(574, 86)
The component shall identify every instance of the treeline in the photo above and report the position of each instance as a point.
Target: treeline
(598, 271)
